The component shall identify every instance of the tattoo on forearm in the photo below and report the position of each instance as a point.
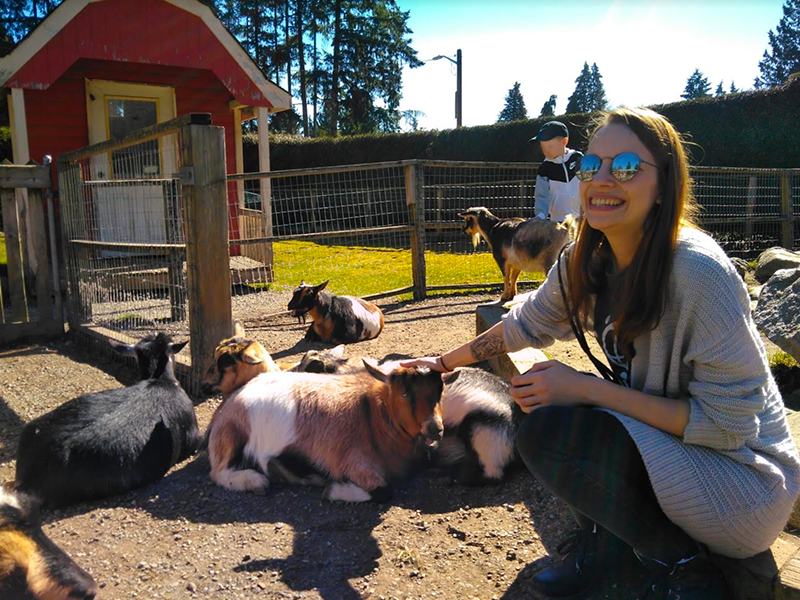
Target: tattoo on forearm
(488, 345)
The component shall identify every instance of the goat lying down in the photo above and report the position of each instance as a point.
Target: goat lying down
(113, 441)
(517, 244)
(480, 418)
(50, 574)
(360, 430)
(335, 319)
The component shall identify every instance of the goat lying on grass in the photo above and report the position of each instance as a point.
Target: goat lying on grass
(517, 244)
(50, 574)
(480, 418)
(336, 319)
(360, 430)
(110, 442)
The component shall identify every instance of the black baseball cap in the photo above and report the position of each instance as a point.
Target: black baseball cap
(550, 130)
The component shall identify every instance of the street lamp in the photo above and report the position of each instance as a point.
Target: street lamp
(457, 63)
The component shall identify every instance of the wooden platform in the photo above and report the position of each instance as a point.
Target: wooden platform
(771, 574)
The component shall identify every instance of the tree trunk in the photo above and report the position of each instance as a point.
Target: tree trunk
(334, 91)
(288, 48)
(301, 64)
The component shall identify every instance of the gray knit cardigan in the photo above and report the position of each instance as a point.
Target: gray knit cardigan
(732, 479)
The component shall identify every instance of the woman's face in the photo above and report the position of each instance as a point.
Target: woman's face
(619, 208)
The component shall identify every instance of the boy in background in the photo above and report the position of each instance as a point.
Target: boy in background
(556, 193)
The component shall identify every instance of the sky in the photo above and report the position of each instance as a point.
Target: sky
(645, 51)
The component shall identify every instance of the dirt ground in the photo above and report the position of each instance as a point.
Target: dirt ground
(184, 537)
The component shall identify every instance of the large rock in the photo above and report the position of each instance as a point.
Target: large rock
(777, 313)
(775, 259)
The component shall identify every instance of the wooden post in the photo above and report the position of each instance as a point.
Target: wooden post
(266, 186)
(207, 255)
(787, 213)
(752, 193)
(416, 213)
(44, 285)
(16, 271)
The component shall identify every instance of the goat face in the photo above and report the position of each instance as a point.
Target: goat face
(304, 298)
(236, 361)
(50, 573)
(414, 399)
(152, 353)
(471, 227)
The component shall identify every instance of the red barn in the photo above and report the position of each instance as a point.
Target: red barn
(148, 60)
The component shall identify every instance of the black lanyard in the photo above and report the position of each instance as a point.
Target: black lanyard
(606, 372)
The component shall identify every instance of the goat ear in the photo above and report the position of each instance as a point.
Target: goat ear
(374, 370)
(321, 286)
(338, 352)
(175, 348)
(238, 328)
(123, 349)
(251, 356)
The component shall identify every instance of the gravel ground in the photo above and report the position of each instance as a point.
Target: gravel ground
(184, 537)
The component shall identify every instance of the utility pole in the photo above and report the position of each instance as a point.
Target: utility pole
(458, 87)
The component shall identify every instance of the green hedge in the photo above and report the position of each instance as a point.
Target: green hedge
(749, 129)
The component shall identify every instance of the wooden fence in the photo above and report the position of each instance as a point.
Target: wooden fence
(30, 298)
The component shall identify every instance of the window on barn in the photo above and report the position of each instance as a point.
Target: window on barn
(126, 115)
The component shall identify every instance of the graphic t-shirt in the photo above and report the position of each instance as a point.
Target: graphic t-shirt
(607, 338)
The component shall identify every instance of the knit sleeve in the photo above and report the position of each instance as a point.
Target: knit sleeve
(541, 319)
(729, 371)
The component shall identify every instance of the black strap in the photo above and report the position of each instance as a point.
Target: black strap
(602, 368)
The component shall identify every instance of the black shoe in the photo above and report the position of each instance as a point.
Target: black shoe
(573, 576)
(697, 578)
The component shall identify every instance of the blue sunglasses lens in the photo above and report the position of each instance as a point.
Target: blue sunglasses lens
(623, 166)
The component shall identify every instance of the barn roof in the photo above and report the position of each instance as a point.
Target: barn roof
(143, 31)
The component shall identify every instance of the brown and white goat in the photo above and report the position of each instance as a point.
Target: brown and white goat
(360, 430)
(517, 244)
(50, 574)
(336, 319)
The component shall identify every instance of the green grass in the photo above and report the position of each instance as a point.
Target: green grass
(362, 270)
(3, 257)
(782, 358)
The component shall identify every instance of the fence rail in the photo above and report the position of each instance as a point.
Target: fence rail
(178, 246)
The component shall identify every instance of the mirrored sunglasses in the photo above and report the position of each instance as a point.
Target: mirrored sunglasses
(623, 166)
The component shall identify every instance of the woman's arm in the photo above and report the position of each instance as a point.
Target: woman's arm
(489, 344)
(554, 383)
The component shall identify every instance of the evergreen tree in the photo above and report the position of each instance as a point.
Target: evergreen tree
(697, 86)
(597, 94)
(719, 91)
(20, 16)
(514, 110)
(733, 89)
(784, 57)
(549, 108)
(580, 99)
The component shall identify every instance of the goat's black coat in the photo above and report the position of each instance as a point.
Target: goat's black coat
(113, 441)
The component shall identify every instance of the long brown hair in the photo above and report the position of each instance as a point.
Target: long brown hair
(639, 292)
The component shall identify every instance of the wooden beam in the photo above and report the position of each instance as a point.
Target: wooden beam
(25, 176)
(38, 237)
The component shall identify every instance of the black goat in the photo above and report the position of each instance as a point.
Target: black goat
(113, 441)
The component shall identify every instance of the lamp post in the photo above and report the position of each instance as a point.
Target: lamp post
(457, 63)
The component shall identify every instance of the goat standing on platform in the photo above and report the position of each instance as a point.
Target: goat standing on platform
(336, 319)
(113, 441)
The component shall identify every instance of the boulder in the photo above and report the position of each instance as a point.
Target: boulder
(774, 259)
(777, 313)
(741, 265)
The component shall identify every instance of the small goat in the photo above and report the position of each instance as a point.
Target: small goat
(50, 574)
(113, 441)
(480, 418)
(335, 319)
(517, 244)
(360, 430)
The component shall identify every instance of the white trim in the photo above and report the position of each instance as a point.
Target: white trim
(263, 166)
(69, 9)
(21, 154)
(239, 150)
